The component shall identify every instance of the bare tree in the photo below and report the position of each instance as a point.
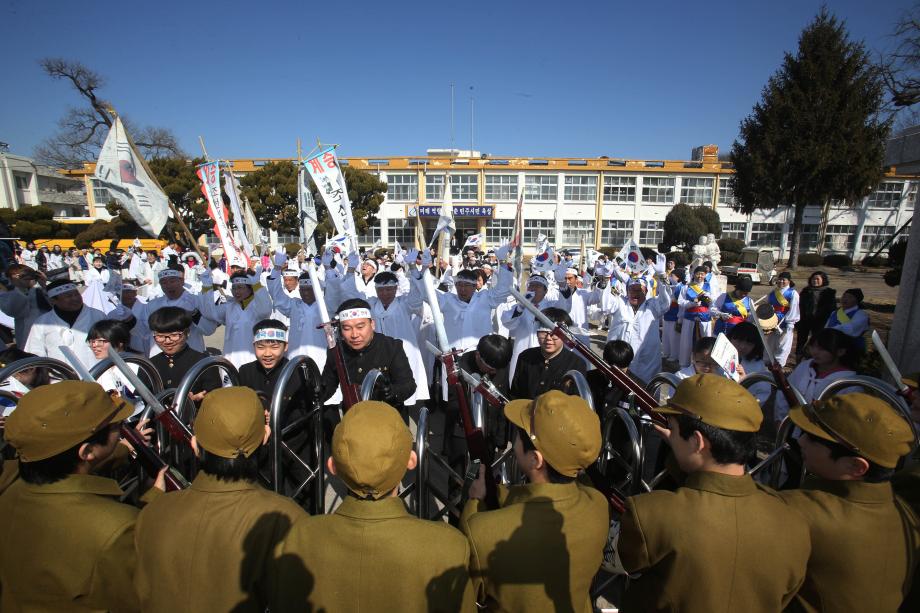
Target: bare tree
(901, 66)
(82, 130)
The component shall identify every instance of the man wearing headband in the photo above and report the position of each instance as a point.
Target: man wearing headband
(580, 292)
(269, 342)
(521, 324)
(540, 369)
(851, 444)
(67, 323)
(305, 337)
(290, 277)
(371, 554)
(365, 350)
(26, 301)
(140, 333)
(358, 281)
(636, 319)
(68, 544)
(172, 282)
(249, 304)
(720, 542)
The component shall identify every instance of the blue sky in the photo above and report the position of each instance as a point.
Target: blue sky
(638, 79)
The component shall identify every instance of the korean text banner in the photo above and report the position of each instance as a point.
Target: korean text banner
(210, 185)
(326, 174)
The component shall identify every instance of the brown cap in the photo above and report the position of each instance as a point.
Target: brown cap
(911, 380)
(867, 425)
(370, 448)
(563, 428)
(717, 401)
(53, 418)
(231, 421)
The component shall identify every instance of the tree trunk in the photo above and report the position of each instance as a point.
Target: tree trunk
(822, 225)
(796, 236)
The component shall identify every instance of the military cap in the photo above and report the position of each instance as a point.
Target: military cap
(370, 448)
(767, 317)
(563, 428)
(867, 425)
(53, 418)
(231, 421)
(717, 401)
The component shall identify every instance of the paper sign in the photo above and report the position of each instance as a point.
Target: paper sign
(726, 356)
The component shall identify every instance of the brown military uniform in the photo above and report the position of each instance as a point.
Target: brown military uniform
(540, 550)
(720, 543)
(9, 472)
(66, 546)
(865, 545)
(206, 548)
(371, 555)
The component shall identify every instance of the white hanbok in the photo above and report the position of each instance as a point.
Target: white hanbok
(304, 338)
(805, 379)
(395, 321)
(639, 328)
(187, 301)
(238, 320)
(50, 332)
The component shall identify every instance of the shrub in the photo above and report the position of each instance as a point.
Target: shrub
(897, 251)
(875, 261)
(837, 260)
(610, 252)
(292, 249)
(810, 259)
(681, 258)
(729, 257)
(730, 244)
(893, 277)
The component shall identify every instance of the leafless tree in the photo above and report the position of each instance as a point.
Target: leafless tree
(82, 130)
(901, 66)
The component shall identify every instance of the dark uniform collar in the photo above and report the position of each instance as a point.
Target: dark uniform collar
(77, 484)
(369, 346)
(277, 368)
(854, 491)
(552, 357)
(724, 485)
(178, 355)
(204, 482)
(391, 507)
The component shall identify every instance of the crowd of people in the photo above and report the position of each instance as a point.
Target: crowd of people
(716, 540)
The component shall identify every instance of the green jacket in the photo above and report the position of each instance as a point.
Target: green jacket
(717, 544)
(67, 546)
(540, 550)
(207, 548)
(371, 555)
(865, 546)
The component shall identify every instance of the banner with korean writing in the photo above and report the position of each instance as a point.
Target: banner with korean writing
(122, 171)
(210, 186)
(307, 211)
(326, 174)
(241, 237)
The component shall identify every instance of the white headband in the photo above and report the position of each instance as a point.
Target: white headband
(270, 334)
(390, 283)
(240, 281)
(371, 262)
(290, 272)
(359, 313)
(574, 271)
(305, 282)
(538, 279)
(61, 289)
(169, 272)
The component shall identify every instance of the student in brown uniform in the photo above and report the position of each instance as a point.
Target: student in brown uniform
(371, 555)
(720, 542)
(207, 548)
(541, 549)
(66, 543)
(865, 542)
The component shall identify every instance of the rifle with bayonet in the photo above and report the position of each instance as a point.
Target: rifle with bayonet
(485, 387)
(350, 391)
(793, 396)
(146, 456)
(475, 438)
(904, 390)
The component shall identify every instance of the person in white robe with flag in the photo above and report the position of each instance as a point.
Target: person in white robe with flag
(521, 323)
(304, 337)
(248, 305)
(67, 324)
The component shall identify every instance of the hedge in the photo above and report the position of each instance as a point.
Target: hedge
(730, 244)
(810, 259)
(729, 257)
(837, 260)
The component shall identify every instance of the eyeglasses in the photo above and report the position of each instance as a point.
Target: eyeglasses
(172, 337)
(92, 342)
(813, 415)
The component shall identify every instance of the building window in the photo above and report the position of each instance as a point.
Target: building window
(464, 187)
(573, 230)
(580, 188)
(534, 227)
(726, 195)
(658, 190)
(911, 196)
(886, 196)
(616, 232)
(734, 229)
(497, 229)
(402, 187)
(809, 239)
(501, 187)
(101, 194)
(766, 234)
(696, 190)
(23, 181)
(541, 188)
(372, 235)
(401, 231)
(651, 232)
(839, 238)
(619, 189)
(874, 237)
(434, 187)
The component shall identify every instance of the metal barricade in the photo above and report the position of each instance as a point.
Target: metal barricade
(369, 385)
(62, 369)
(144, 365)
(185, 409)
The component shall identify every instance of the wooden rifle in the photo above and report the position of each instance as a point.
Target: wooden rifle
(483, 385)
(792, 396)
(350, 393)
(904, 390)
(475, 438)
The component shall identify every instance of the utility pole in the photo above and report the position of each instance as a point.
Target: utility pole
(472, 122)
(451, 117)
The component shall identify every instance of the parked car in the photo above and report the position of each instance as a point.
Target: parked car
(756, 264)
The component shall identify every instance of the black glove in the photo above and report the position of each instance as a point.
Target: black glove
(196, 316)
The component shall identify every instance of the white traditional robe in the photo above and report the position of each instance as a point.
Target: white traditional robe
(639, 328)
(49, 332)
(23, 308)
(187, 301)
(238, 321)
(396, 322)
(522, 326)
(304, 338)
(806, 380)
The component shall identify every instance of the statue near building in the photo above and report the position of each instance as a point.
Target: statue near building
(713, 252)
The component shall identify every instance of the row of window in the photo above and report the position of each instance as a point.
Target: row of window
(618, 189)
(614, 233)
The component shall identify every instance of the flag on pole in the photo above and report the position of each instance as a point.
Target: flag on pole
(473, 240)
(327, 175)
(122, 171)
(209, 173)
(543, 261)
(632, 258)
(307, 211)
(253, 230)
(542, 243)
(517, 238)
(232, 187)
(446, 221)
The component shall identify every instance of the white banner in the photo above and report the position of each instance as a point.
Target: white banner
(326, 174)
(232, 187)
(121, 170)
(210, 185)
(307, 211)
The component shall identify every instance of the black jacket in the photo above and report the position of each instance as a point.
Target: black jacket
(173, 369)
(816, 304)
(384, 353)
(535, 375)
(254, 375)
